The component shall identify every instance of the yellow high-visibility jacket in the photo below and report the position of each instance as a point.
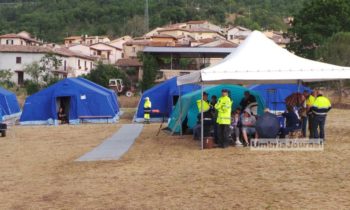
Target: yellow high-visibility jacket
(310, 101)
(223, 107)
(147, 109)
(321, 106)
(206, 106)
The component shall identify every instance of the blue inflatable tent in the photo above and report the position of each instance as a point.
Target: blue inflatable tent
(274, 95)
(189, 107)
(9, 106)
(80, 99)
(163, 97)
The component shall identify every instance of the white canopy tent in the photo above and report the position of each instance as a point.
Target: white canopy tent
(259, 60)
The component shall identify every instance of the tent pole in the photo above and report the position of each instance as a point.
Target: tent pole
(202, 123)
(299, 84)
(179, 100)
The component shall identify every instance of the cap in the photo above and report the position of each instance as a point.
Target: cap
(224, 90)
(146, 98)
(205, 93)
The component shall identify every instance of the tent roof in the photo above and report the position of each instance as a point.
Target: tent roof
(3, 91)
(259, 60)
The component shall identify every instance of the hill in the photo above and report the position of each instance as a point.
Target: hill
(52, 20)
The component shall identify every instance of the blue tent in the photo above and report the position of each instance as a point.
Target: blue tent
(189, 107)
(274, 95)
(80, 99)
(9, 106)
(163, 97)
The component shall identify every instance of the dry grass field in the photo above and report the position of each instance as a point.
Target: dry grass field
(37, 171)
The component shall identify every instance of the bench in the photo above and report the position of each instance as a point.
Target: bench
(85, 118)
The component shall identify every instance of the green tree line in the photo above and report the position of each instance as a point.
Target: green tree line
(52, 20)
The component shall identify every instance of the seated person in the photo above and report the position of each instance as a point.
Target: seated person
(235, 126)
(248, 125)
(267, 125)
(292, 122)
(61, 115)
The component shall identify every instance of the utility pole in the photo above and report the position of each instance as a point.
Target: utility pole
(146, 16)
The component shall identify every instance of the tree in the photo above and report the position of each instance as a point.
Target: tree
(336, 50)
(104, 72)
(316, 22)
(5, 78)
(150, 70)
(49, 63)
(34, 71)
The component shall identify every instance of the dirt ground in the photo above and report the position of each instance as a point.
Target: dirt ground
(37, 171)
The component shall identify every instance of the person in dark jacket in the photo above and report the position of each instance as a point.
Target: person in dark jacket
(248, 99)
(292, 122)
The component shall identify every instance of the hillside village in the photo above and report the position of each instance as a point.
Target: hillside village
(80, 53)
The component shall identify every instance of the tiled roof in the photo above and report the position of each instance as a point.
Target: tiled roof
(163, 36)
(189, 30)
(70, 53)
(24, 49)
(18, 37)
(105, 44)
(39, 49)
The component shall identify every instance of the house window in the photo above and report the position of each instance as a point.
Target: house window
(133, 49)
(99, 52)
(85, 65)
(18, 60)
(21, 42)
(231, 36)
(79, 64)
(20, 79)
(122, 55)
(91, 65)
(11, 42)
(7, 41)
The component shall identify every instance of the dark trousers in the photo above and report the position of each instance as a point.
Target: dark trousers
(303, 125)
(318, 126)
(310, 119)
(223, 134)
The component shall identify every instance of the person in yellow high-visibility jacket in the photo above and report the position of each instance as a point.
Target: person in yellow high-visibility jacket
(223, 107)
(207, 117)
(320, 108)
(147, 106)
(206, 105)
